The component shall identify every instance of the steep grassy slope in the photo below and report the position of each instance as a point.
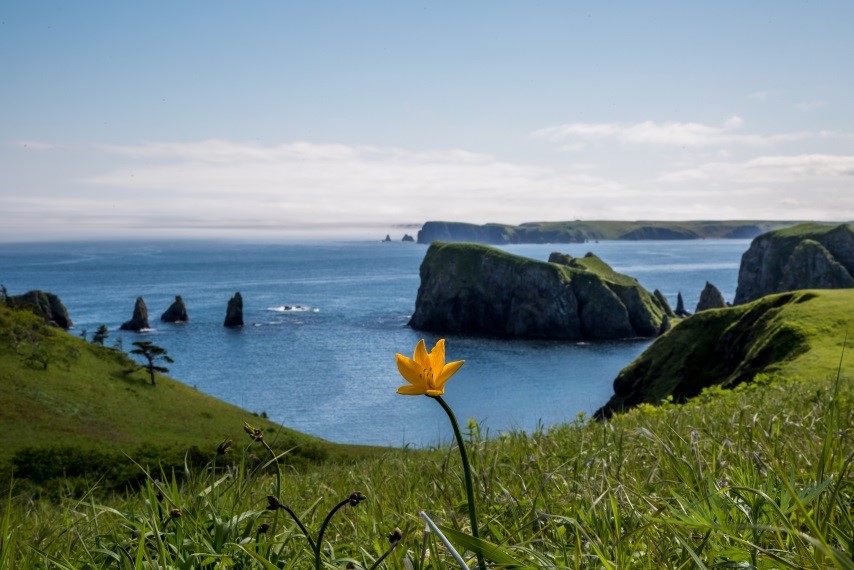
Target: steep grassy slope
(798, 334)
(58, 390)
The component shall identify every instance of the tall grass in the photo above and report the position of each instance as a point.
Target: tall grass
(756, 477)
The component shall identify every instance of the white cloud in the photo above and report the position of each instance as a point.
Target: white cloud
(771, 169)
(809, 105)
(693, 135)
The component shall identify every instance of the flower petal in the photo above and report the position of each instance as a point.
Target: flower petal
(420, 356)
(410, 390)
(435, 392)
(437, 356)
(409, 369)
(449, 370)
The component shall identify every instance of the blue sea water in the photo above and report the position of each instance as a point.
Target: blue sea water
(327, 368)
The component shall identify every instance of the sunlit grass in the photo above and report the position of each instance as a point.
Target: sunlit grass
(755, 477)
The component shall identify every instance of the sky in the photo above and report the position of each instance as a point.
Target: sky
(353, 119)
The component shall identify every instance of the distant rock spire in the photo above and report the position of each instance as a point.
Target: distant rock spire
(710, 298)
(176, 313)
(234, 312)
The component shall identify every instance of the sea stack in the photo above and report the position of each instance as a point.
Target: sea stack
(680, 306)
(710, 298)
(139, 320)
(176, 313)
(234, 312)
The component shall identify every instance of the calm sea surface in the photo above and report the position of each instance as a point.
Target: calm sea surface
(328, 368)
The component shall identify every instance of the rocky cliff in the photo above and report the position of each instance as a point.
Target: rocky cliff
(806, 256)
(797, 333)
(710, 298)
(44, 304)
(470, 288)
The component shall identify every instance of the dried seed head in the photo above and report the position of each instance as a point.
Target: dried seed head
(174, 513)
(355, 498)
(396, 536)
(255, 433)
(273, 503)
(263, 528)
(224, 447)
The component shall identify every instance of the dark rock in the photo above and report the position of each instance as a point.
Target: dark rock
(666, 325)
(44, 304)
(139, 320)
(387, 238)
(680, 306)
(710, 298)
(234, 312)
(407, 238)
(469, 288)
(176, 313)
(807, 256)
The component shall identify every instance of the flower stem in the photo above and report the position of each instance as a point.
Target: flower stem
(319, 543)
(466, 472)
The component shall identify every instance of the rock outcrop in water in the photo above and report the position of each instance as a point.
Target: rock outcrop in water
(407, 238)
(680, 306)
(807, 256)
(139, 320)
(234, 312)
(662, 301)
(475, 289)
(710, 298)
(44, 304)
(176, 313)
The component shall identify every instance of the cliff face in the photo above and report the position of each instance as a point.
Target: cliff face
(807, 256)
(44, 304)
(788, 332)
(469, 288)
(458, 231)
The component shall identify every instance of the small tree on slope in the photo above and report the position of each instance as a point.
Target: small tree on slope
(152, 353)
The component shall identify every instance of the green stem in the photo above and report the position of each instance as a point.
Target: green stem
(466, 472)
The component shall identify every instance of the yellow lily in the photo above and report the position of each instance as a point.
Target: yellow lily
(426, 372)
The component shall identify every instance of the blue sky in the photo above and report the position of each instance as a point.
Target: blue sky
(358, 118)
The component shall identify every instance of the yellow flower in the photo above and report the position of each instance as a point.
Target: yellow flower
(426, 373)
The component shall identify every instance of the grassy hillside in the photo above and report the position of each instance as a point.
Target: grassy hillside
(56, 390)
(795, 335)
(756, 477)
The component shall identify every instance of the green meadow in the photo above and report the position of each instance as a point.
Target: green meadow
(757, 476)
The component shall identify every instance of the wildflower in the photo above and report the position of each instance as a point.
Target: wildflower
(426, 372)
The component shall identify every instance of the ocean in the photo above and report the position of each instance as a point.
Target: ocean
(324, 320)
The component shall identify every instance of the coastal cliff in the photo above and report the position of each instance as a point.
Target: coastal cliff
(476, 289)
(806, 256)
(798, 333)
(581, 231)
(44, 304)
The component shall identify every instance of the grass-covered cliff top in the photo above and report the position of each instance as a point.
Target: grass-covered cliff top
(793, 335)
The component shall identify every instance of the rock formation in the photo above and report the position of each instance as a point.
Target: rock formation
(176, 313)
(139, 320)
(470, 288)
(807, 256)
(710, 298)
(407, 238)
(234, 312)
(387, 238)
(659, 233)
(44, 304)
(680, 306)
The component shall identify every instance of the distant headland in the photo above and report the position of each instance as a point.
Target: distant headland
(579, 231)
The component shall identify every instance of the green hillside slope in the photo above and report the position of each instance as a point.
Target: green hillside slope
(798, 334)
(57, 390)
